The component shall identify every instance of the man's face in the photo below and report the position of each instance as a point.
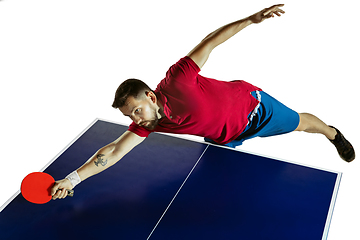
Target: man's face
(142, 111)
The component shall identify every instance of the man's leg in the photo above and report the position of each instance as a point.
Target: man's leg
(310, 123)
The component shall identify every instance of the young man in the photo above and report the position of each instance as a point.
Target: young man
(225, 113)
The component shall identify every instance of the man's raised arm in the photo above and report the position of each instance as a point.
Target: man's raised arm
(202, 51)
(101, 160)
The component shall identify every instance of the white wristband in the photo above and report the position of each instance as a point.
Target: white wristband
(74, 178)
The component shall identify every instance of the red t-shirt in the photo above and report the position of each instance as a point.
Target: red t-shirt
(201, 106)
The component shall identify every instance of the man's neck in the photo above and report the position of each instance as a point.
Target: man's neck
(160, 112)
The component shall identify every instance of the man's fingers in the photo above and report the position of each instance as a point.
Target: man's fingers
(56, 195)
(54, 188)
(274, 9)
(270, 13)
(63, 193)
(278, 14)
(60, 193)
(276, 6)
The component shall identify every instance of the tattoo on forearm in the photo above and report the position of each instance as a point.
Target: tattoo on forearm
(100, 160)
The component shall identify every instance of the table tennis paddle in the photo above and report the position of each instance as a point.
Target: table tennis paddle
(36, 187)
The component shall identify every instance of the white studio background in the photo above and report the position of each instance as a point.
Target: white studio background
(61, 62)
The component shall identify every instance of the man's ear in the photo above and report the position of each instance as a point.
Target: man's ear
(151, 95)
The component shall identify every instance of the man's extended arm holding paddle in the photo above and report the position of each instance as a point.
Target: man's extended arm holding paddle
(101, 160)
(113, 152)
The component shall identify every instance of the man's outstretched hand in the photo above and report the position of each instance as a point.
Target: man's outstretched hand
(267, 13)
(59, 190)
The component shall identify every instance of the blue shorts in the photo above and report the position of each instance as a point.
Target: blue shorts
(269, 118)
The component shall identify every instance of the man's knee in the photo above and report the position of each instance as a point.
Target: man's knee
(303, 122)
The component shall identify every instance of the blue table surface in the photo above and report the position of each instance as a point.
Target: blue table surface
(147, 195)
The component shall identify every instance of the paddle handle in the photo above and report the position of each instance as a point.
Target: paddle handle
(70, 192)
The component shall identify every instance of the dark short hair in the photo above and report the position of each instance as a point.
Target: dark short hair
(130, 87)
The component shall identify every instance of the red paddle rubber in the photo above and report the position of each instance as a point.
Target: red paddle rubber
(36, 187)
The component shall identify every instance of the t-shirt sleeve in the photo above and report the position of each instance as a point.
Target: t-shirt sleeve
(140, 131)
(184, 71)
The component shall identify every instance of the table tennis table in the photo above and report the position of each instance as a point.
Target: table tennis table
(173, 188)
